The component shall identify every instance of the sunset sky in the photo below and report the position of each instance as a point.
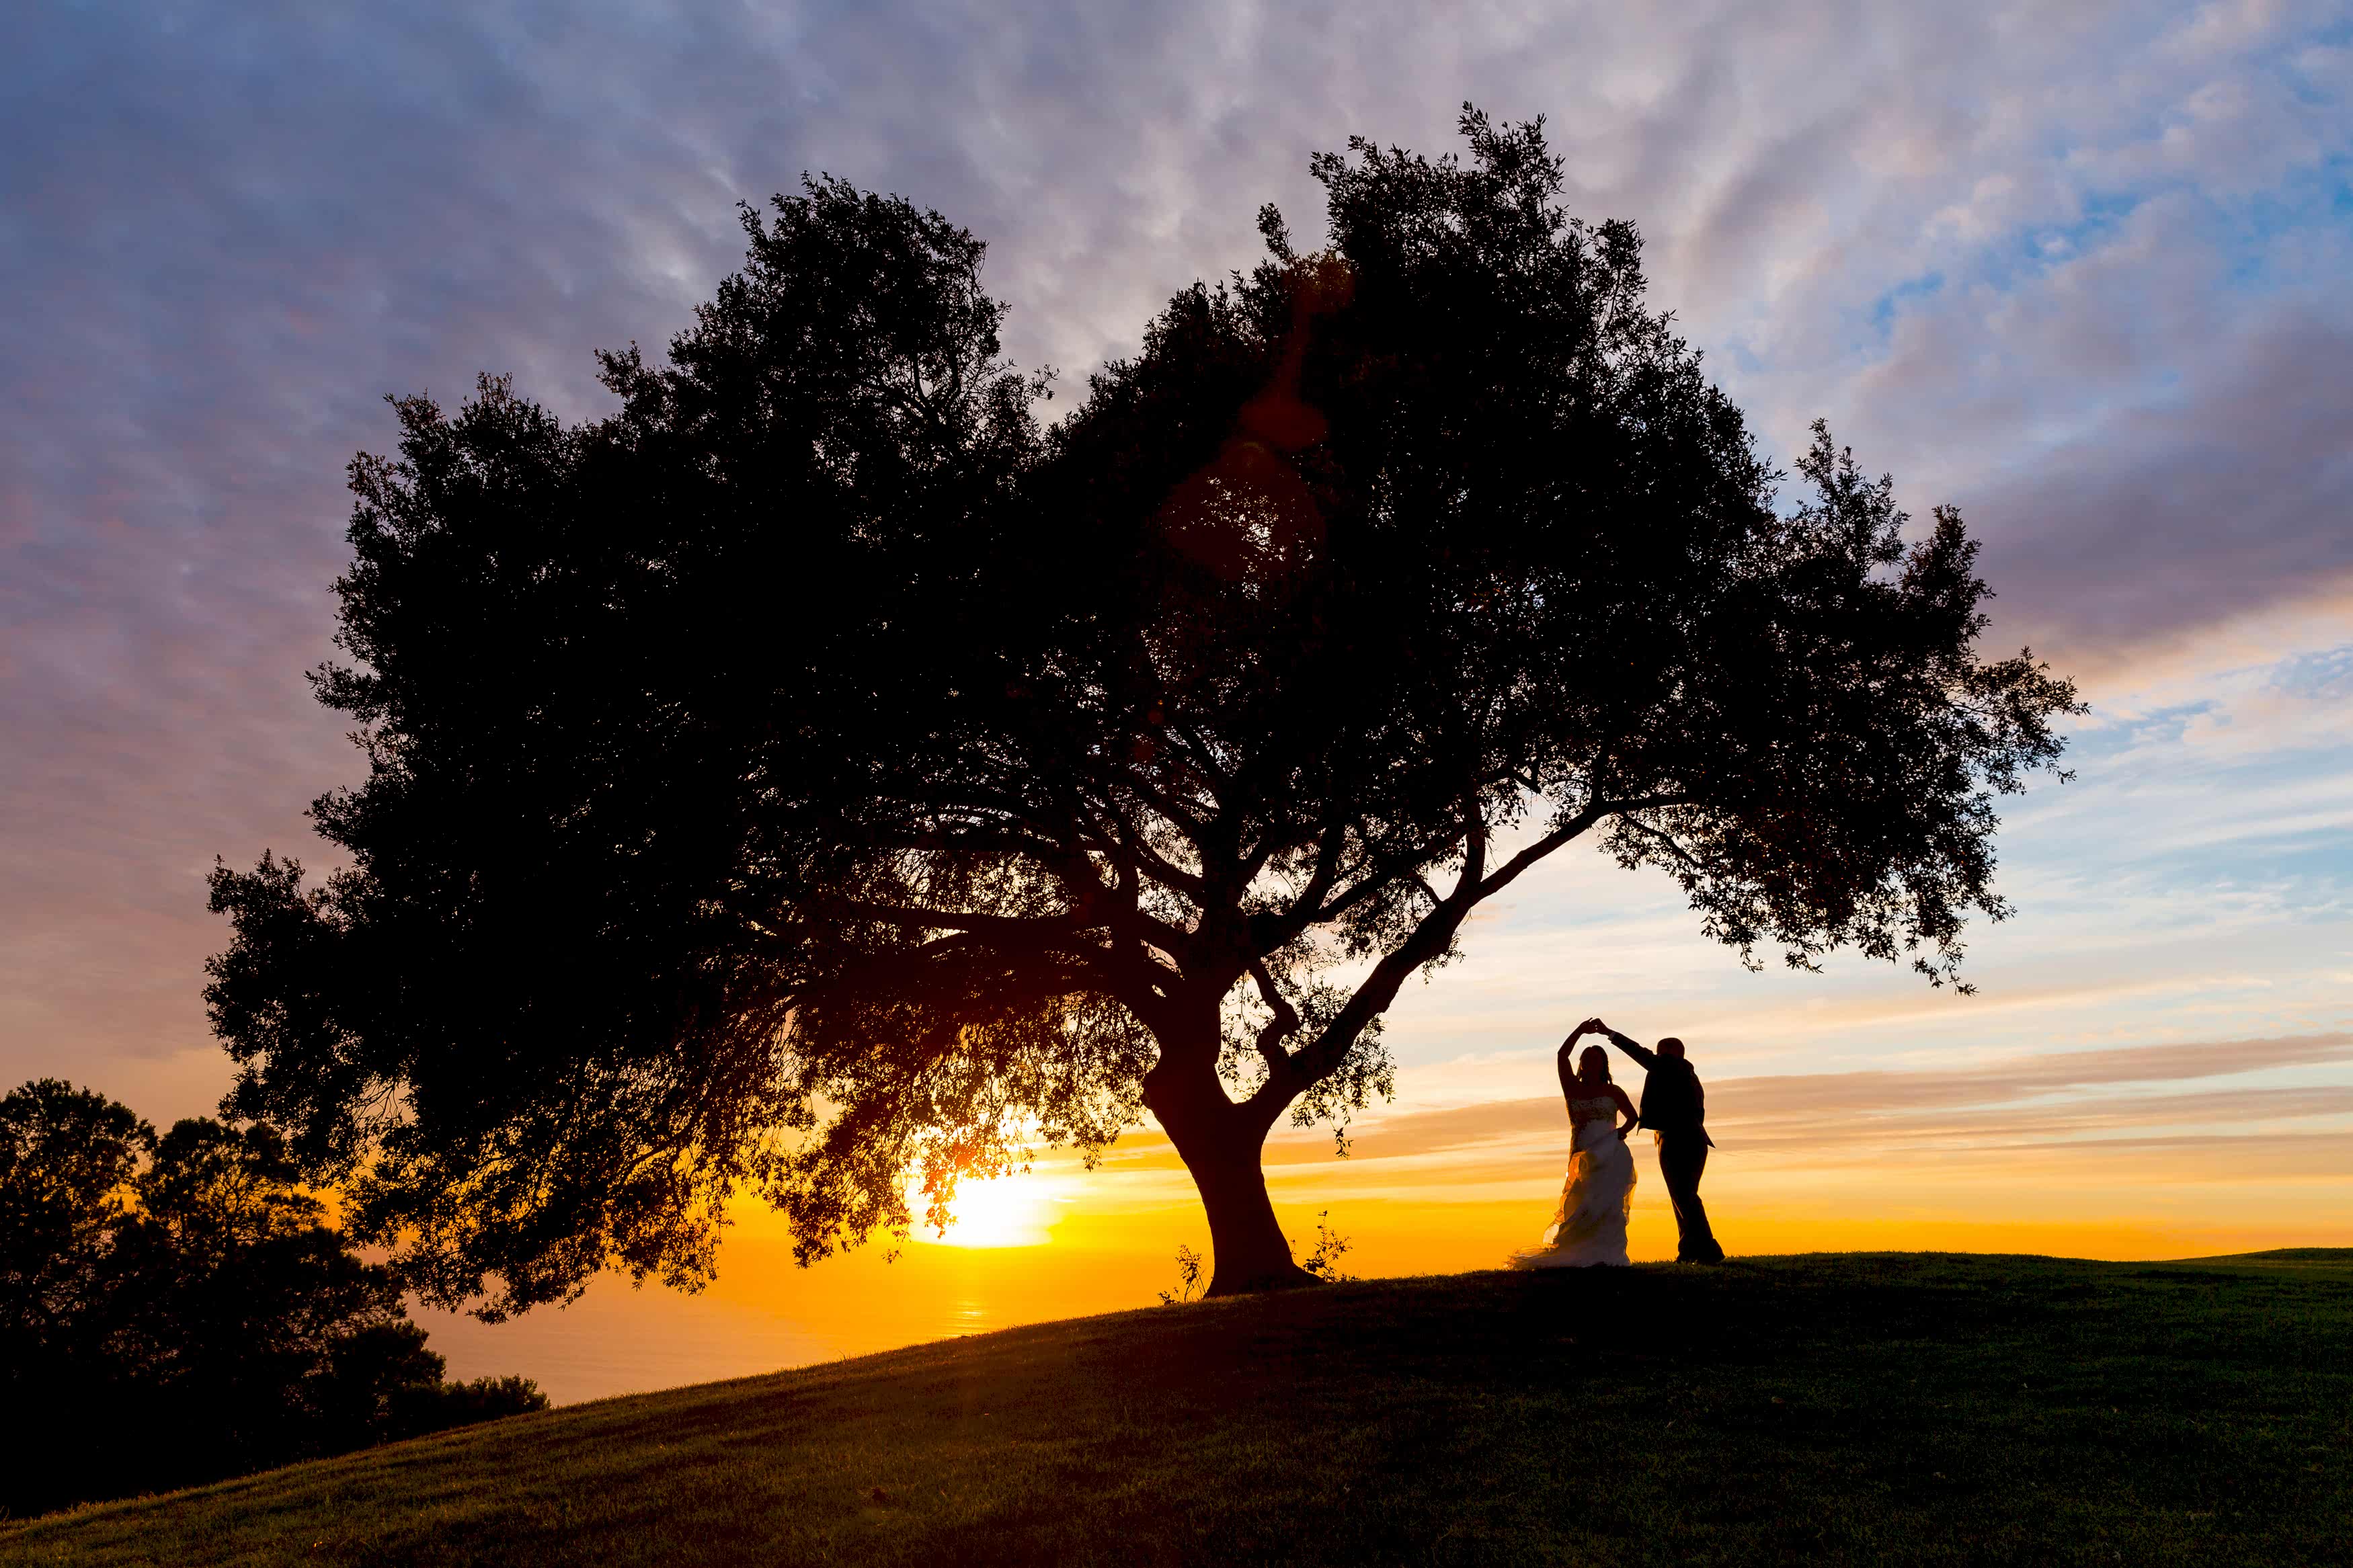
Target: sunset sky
(2080, 270)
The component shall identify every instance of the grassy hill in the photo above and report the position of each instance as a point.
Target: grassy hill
(1832, 1408)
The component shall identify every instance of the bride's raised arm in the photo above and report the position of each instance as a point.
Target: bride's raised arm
(1562, 1059)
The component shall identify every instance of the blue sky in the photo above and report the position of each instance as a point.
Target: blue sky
(2078, 270)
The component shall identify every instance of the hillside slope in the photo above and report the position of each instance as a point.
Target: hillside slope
(1830, 1408)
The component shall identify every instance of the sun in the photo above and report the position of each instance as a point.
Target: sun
(1005, 1211)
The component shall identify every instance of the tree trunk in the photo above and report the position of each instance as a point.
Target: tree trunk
(1220, 1143)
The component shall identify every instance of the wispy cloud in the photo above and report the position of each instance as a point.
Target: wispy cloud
(2013, 1099)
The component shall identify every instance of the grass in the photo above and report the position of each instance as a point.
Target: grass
(1881, 1408)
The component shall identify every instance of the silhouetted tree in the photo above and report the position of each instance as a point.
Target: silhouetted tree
(67, 1157)
(175, 1311)
(814, 772)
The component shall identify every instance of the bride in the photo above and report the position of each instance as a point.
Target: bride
(1590, 1225)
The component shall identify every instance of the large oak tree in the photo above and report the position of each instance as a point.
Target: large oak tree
(819, 776)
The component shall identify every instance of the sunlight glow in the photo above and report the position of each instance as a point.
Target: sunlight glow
(1008, 1211)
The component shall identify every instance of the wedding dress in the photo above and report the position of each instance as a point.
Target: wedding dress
(1590, 1225)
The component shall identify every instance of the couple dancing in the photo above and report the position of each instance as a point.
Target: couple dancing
(1591, 1225)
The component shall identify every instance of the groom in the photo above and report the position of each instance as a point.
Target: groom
(1675, 1107)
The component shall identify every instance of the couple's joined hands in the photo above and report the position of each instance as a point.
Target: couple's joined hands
(1590, 1027)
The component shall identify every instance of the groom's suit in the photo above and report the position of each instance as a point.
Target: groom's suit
(1675, 1107)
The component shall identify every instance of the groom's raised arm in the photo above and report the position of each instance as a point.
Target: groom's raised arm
(1643, 1053)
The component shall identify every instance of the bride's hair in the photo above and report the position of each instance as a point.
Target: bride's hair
(1587, 1059)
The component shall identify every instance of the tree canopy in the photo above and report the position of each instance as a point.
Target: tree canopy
(175, 1311)
(819, 773)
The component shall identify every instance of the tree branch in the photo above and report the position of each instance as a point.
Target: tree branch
(1430, 936)
(1384, 871)
(1667, 841)
(1510, 870)
(1284, 1022)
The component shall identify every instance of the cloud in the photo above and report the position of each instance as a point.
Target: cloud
(2168, 518)
(2078, 273)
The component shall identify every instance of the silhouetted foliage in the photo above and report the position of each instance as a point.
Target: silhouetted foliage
(1323, 1260)
(174, 1312)
(67, 1157)
(1189, 1283)
(816, 771)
